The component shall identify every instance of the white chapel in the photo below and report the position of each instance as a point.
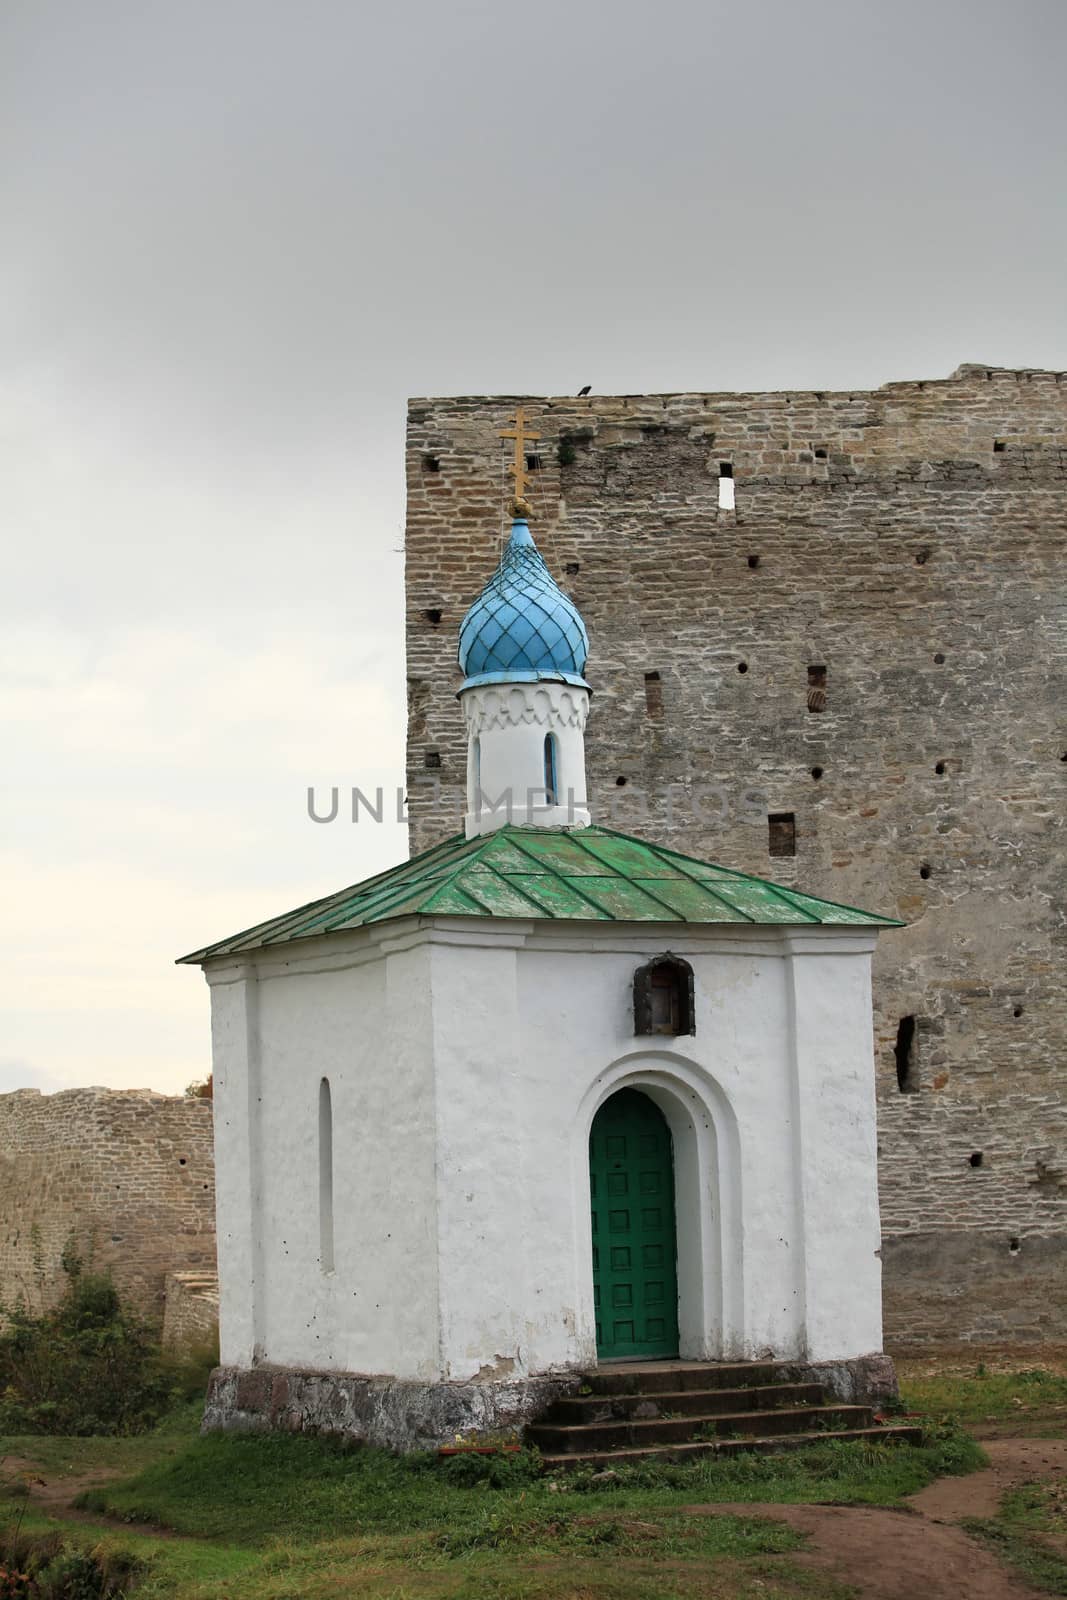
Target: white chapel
(540, 1100)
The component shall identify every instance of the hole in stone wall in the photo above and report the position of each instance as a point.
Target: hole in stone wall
(182, 1161)
(431, 464)
(1017, 1011)
(753, 562)
(781, 833)
(816, 773)
(1014, 1247)
(432, 758)
(975, 1158)
(924, 871)
(726, 486)
(572, 568)
(998, 445)
(620, 782)
(533, 463)
(816, 688)
(820, 455)
(940, 768)
(653, 694)
(432, 615)
(922, 558)
(742, 666)
(903, 1049)
(940, 658)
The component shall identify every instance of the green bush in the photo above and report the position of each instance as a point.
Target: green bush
(89, 1366)
(507, 1470)
(46, 1567)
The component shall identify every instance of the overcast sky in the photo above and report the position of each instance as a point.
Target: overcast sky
(235, 235)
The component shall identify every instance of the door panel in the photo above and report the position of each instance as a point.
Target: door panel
(631, 1181)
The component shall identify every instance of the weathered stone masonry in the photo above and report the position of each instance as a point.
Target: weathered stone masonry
(868, 646)
(127, 1174)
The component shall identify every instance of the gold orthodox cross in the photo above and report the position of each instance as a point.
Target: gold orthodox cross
(518, 432)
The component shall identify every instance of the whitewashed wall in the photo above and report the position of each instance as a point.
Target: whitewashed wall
(466, 1062)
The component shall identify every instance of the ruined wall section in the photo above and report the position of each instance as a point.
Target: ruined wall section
(908, 542)
(128, 1175)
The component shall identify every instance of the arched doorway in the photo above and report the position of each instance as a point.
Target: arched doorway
(631, 1183)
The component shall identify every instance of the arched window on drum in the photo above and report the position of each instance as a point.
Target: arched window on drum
(551, 769)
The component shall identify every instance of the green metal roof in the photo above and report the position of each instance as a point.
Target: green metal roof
(566, 874)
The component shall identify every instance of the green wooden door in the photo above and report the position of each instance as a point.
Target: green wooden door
(631, 1181)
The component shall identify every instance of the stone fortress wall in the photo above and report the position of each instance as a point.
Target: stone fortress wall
(126, 1175)
(848, 683)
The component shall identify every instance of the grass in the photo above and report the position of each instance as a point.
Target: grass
(503, 1556)
(1028, 1514)
(173, 1567)
(278, 1517)
(256, 1487)
(282, 1517)
(1030, 1557)
(1031, 1398)
(57, 1457)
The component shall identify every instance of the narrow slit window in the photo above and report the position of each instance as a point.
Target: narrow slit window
(474, 769)
(325, 1177)
(816, 688)
(551, 770)
(782, 833)
(653, 694)
(904, 1050)
(726, 486)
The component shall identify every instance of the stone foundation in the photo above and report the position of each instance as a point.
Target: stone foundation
(400, 1415)
(381, 1411)
(862, 1381)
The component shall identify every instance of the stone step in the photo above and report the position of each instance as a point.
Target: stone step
(766, 1445)
(685, 1402)
(653, 1377)
(551, 1438)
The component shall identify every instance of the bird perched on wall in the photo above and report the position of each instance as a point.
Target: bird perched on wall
(583, 392)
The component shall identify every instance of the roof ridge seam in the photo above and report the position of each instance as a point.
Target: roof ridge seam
(515, 888)
(601, 911)
(751, 877)
(707, 887)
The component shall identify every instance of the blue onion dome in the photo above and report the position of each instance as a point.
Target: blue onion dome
(522, 628)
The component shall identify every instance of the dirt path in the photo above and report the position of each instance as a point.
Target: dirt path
(891, 1555)
(1011, 1462)
(920, 1550)
(55, 1496)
